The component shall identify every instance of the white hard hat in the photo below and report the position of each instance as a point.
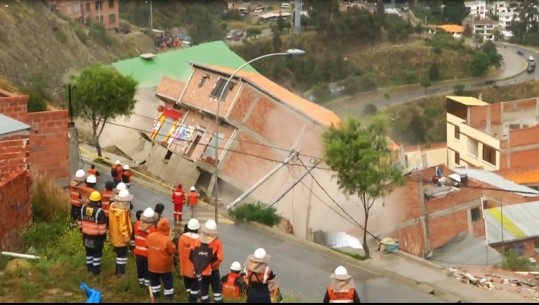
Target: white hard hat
(117, 162)
(211, 225)
(126, 166)
(340, 271)
(260, 253)
(148, 213)
(236, 266)
(121, 186)
(91, 179)
(193, 224)
(193, 188)
(80, 173)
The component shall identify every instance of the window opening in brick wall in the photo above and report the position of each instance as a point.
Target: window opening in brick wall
(457, 132)
(168, 155)
(476, 214)
(457, 158)
(203, 80)
(489, 154)
(112, 18)
(220, 86)
(111, 3)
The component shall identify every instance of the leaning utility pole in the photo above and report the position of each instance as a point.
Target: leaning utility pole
(292, 156)
(314, 164)
(73, 136)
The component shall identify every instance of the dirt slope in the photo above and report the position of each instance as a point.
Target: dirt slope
(38, 45)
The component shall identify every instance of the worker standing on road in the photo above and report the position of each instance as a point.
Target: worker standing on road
(116, 172)
(127, 175)
(93, 171)
(188, 241)
(178, 199)
(77, 181)
(233, 283)
(106, 195)
(192, 200)
(120, 229)
(88, 188)
(216, 245)
(143, 226)
(94, 232)
(342, 288)
(257, 275)
(160, 254)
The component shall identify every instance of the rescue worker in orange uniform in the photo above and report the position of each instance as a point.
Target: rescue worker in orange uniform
(127, 175)
(144, 225)
(192, 200)
(88, 188)
(342, 288)
(188, 241)
(161, 250)
(92, 171)
(208, 272)
(120, 229)
(178, 199)
(77, 181)
(94, 232)
(233, 284)
(106, 197)
(116, 172)
(257, 276)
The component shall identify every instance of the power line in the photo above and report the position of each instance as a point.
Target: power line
(245, 141)
(209, 145)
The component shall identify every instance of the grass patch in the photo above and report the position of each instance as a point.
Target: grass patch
(50, 202)
(257, 211)
(352, 255)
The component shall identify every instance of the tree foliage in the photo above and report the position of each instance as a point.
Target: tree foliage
(101, 93)
(434, 72)
(363, 161)
(454, 12)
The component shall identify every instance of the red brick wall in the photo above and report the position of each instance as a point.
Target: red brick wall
(16, 208)
(243, 104)
(14, 154)
(49, 143)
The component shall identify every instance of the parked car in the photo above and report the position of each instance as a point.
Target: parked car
(530, 58)
(519, 52)
(531, 68)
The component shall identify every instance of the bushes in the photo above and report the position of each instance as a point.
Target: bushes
(49, 202)
(512, 261)
(257, 211)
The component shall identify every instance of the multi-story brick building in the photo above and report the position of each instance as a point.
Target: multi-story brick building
(83, 11)
(29, 142)
(425, 216)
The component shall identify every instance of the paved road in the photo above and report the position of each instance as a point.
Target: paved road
(302, 273)
(510, 73)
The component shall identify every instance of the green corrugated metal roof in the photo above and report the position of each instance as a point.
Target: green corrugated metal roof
(176, 63)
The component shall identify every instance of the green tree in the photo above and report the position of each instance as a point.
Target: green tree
(425, 83)
(205, 24)
(364, 164)
(351, 84)
(480, 63)
(101, 93)
(321, 92)
(253, 32)
(419, 29)
(434, 72)
(454, 12)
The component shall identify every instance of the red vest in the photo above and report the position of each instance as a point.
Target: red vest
(341, 296)
(74, 196)
(178, 196)
(85, 192)
(140, 239)
(193, 198)
(230, 289)
(105, 201)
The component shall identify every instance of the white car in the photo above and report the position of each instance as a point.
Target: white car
(530, 58)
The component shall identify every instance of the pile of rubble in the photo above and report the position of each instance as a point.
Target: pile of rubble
(492, 278)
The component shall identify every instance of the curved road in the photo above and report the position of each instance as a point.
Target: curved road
(509, 73)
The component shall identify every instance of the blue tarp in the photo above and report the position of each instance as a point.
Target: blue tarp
(94, 296)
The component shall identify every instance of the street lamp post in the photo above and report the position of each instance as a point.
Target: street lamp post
(151, 15)
(225, 87)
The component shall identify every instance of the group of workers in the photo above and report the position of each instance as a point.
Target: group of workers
(198, 251)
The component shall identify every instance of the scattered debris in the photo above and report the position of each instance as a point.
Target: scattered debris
(389, 245)
(492, 278)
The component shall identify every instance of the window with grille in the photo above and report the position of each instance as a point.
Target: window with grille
(489, 154)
